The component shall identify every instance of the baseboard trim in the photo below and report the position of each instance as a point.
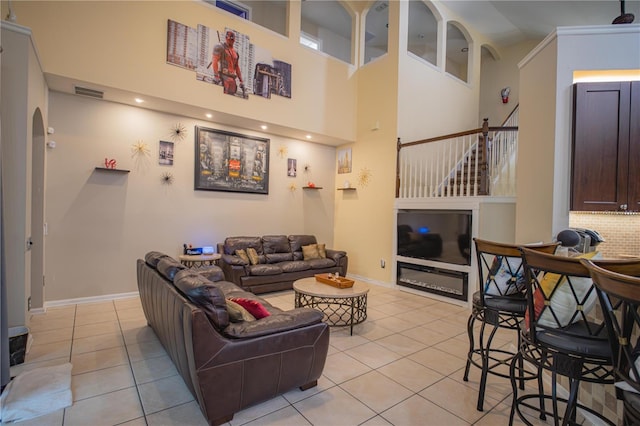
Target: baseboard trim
(92, 299)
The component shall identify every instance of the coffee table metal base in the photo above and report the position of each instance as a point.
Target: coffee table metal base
(338, 311)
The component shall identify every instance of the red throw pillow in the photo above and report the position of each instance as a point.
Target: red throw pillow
(254, 307)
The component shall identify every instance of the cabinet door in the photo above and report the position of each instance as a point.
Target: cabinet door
(634, 148)
(600, 165)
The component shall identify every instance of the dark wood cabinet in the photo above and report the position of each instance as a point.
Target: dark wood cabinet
(606, 147)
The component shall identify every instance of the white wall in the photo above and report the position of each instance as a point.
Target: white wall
(99, 222)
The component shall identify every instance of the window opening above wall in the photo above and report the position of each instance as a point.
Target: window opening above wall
(270, 14)
(330, 24)
(422, 36)
(457, 52)
(376, 31)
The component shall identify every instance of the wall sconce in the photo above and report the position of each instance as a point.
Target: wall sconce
(504, 94)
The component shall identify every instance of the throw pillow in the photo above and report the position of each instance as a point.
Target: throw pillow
(310, 252)
(505, 277)
(237, 313)
(253, 256)
(254, 307)
(242, 255)
(322, 251)
(554, 301)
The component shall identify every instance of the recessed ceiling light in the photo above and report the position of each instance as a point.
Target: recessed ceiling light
(308, 136)
(209, 115)
(138, 100)
(264, 127)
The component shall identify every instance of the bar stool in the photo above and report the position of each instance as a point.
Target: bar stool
(620, 299)
(500, 303)
(559, 335)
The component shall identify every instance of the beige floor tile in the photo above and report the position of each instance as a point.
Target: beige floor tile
(373, 354)
(97, 343)
(376, 421)
(128, 303)
(95, 317)
(400, 344)
(139, 335)
(374, 314)
(376, 391)
(131, 324)
(145, 350)
(457, 398)
(410, 374)
(91, 361)
(259, 410)
(395, 324)
(84, 308)
(97, 329)
(418, 317)
(342, 340)
(45, 323)
(48, 351)
(394, 308)
(437, 360)
(425, 335)
(455, 347)
(164, 393)
(108, 409)
(334, 407)
(51, 336)
(417, 411)
(296, 394)
(447, 328)
(188, 414)
(371, 331)
(99, 382)
(135, 313)
(148, 370)
(500, 416)
(287, 416)
(341, 367)
(140, 421)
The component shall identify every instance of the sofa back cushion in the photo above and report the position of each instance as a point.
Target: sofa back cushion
(205, 295)
(231, 244)
(276, 248)
(168, 267)
(153, 257)
(297, 241)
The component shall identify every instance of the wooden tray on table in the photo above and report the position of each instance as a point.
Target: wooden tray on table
(339, 282)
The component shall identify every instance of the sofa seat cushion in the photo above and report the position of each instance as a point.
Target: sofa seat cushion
(321, 263)
(279, 257)
(204, 294)
(294, 266)
(264, 269)
(282, 321)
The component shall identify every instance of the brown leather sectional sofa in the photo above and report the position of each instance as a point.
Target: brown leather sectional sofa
(280, 262)
(226, 365)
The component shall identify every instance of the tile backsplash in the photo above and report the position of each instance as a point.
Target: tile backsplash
(620, 231)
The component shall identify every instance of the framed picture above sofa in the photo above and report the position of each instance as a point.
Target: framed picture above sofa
(227, 161)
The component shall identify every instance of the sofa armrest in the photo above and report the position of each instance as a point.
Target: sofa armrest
(233, 268)
(341, 259)
(275, 323)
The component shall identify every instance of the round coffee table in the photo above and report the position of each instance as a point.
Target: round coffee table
(341, 306)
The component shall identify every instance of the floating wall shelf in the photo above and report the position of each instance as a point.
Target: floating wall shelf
(346, 189)
(311, 187)
(105, 169)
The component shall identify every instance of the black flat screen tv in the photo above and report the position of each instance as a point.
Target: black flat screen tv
(438, 235)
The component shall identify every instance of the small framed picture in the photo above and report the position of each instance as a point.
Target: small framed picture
(165, 154)
(292, 167)
(344, 160)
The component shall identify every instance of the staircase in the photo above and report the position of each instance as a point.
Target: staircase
(478, 162)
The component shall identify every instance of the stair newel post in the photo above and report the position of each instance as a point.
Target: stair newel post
(484, 150)
(399, 146)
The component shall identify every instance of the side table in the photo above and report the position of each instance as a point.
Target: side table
(199, 260)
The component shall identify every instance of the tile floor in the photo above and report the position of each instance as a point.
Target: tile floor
(402, 366)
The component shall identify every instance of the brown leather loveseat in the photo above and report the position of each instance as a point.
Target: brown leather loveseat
(227, 365)
(279, 261)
